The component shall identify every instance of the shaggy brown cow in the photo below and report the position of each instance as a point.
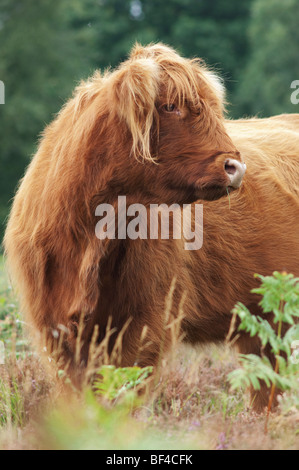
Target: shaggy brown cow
(153, 130)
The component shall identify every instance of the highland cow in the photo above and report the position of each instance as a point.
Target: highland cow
(152, 130)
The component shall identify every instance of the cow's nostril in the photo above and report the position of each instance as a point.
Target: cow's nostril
(235, 171)
(229, 168)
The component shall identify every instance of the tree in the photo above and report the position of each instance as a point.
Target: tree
(214, 31)
(273, 60)
(40, 62)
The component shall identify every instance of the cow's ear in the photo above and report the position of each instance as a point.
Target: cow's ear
(136, 90)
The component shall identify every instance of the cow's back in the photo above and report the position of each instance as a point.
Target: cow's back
(256, 228)
(270, 147)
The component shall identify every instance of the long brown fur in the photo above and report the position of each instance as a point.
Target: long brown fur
(117, 136)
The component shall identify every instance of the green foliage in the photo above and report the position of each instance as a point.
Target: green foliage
(89, 424)
(10, 318)
(103, 418)
(11, 404)
(191, 407)
(272, 63)
(280, 297)
(41, 60)
(115, 382)
(213, 31)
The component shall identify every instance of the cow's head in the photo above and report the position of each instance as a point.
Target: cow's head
(172, 109)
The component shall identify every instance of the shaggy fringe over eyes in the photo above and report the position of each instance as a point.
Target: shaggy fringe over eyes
(138, 89)
(182, 74)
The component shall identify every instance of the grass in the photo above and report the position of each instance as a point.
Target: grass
(191, 407)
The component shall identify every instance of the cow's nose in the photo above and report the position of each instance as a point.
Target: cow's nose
(235, 171)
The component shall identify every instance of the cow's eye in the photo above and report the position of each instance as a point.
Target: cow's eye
(169, 108)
